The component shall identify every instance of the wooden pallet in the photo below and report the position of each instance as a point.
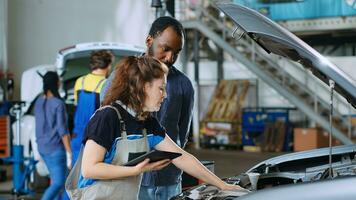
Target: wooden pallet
(4, 136)
(227, 101)
(226, 107)
(274, 135)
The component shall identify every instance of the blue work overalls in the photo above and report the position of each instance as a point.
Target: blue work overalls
(86, 106)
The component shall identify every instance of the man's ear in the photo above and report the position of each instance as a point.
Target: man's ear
(149, 41)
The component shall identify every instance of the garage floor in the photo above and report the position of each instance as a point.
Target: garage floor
(231, 162)
(227, 163)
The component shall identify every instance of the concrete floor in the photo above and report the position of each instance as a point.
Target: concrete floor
(231, 162)
(227, 163)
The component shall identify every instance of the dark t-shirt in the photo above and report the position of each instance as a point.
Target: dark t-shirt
(104, 128)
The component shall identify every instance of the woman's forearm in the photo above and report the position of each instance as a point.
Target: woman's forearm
(189, 164)
(192, 166)
(107, 171)
(94, 167)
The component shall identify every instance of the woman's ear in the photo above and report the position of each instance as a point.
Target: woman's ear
(147, 86)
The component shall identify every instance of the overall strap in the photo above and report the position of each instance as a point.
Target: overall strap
(121, 121)
(97, 86)
(83, 82)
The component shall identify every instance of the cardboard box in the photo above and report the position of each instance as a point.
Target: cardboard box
(353, 121)
(310, 138)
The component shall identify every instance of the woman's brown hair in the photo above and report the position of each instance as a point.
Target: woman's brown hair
(131, 75)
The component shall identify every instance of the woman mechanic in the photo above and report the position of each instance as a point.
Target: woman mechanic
(124, 125)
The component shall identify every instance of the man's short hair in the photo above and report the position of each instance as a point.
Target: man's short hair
(101, 59)
(161, 23)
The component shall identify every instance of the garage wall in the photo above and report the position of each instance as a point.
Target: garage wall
(39, 28)
(3, 35)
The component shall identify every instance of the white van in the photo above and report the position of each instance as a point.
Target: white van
(71, 63)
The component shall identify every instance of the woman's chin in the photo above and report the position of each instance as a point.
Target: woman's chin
(152, 109)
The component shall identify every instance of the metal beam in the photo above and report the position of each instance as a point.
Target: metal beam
(220, 64)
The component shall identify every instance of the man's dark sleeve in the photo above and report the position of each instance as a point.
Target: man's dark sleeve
(186, 112)
(106, 86)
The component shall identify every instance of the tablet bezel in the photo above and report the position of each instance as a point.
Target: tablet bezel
(154, 156)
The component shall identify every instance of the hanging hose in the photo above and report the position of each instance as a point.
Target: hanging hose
(331, 85)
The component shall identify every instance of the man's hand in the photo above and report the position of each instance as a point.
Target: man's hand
(145, 166)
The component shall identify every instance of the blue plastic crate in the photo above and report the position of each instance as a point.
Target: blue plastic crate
(254, 121)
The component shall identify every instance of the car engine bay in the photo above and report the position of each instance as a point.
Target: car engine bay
(305, 170)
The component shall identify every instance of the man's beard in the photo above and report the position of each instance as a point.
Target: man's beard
(151, 53)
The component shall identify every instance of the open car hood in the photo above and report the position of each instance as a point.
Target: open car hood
(74, 60)
(276, 39)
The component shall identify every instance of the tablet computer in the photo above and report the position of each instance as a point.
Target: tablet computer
(154, 155)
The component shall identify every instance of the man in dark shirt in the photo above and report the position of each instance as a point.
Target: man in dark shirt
(164, 42)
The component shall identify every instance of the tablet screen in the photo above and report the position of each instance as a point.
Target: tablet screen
(154, 155)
